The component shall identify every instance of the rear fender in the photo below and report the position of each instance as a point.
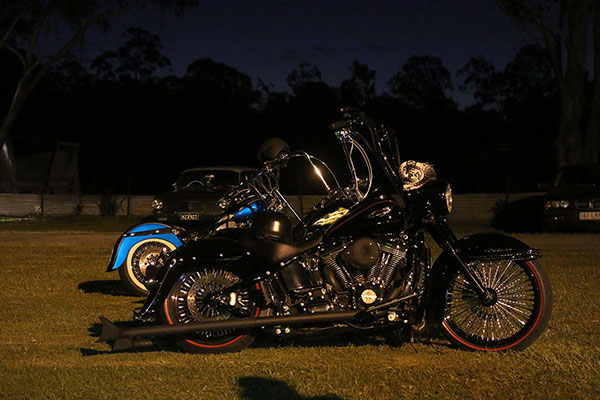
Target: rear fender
(141, 232)
(477, 247)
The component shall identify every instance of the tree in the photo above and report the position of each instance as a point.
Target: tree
(563, 27)
(529, 77)
(359, 89)
(26, 24)
(137, 59)
(305, 74)
(220, 84)
(481, 77)
(423, 82)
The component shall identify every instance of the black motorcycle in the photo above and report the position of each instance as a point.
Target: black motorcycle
(357, 260)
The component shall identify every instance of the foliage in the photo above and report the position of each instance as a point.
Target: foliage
(529, 77)
(359, 89)
(219, 85)
(304, 75)
(423, 82)
(109, 205)
(137, 59)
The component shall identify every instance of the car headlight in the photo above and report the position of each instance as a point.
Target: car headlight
(557, 204)
(223, 202)
(448, 197)
(157, 204)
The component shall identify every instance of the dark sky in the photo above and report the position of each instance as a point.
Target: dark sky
(268, 39)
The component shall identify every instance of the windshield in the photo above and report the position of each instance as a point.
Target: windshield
(578, 175)
(207, 181)
(384, 144)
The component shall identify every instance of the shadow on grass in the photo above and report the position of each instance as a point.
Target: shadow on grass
(353, 337)
(110, 287)
(255, 388)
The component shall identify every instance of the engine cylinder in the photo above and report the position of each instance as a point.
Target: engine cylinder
(340, 274)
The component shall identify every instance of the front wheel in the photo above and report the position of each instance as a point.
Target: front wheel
(513, 320)
(140, 256)
(201, 295)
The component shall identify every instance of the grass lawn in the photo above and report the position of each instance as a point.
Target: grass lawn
(54, 287)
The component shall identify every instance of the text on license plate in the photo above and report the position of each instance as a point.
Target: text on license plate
(590, 215)
(189, 216)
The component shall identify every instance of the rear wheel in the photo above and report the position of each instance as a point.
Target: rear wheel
(516, 316)
(200, 296)
(141, 255)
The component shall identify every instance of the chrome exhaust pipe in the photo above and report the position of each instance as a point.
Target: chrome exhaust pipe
(126, 338)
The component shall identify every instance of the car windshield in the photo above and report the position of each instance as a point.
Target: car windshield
(578, 175)
(207, 180)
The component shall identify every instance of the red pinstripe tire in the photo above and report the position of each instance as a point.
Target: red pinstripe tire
(518, 315)
(189, 300)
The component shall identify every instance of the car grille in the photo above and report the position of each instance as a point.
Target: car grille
(591, 204)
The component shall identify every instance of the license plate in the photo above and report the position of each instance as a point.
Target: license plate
(189, 216)
(590, 216)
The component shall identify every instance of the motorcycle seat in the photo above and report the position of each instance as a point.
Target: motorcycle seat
(275, 252)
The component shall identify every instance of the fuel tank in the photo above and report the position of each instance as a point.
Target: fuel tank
(370, 218)
(324, 214)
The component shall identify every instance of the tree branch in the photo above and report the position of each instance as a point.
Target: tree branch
(82, 29)
(10, 28)
(15, 52)
(34, 36)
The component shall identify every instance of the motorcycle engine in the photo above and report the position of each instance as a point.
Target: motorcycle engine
(365, 267)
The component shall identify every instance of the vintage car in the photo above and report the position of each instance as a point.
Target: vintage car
(195, 195)
(573, 202)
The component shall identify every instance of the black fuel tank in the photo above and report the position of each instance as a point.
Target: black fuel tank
(373, 217)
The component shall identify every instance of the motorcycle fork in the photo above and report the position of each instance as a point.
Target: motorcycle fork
(445, 238)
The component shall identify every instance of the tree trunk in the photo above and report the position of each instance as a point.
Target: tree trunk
(569, 149)
(24, 88)
(592, 134)
(8, 174)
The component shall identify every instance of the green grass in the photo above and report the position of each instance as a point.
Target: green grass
(81, 223)
(53, 287)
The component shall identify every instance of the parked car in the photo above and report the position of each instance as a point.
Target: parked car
(196, 193)
(573, 201)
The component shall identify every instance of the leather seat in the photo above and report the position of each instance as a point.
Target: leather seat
(275, 252)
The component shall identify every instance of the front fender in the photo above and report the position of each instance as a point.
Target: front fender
(494, 246)
(477, 247)
(139, 233)
(215, 252)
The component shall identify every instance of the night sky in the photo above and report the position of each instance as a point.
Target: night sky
(268, 39)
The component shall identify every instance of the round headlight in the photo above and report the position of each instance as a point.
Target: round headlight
(564, 203)
(448, 197)
(157, 204)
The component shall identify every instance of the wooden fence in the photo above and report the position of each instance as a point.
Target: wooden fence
(55, 205)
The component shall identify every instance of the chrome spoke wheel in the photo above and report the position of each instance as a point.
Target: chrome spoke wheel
(502, 322)
(202, 295)
(145, 255)
(193, 299)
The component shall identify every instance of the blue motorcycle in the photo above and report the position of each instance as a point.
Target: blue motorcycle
(145, 246)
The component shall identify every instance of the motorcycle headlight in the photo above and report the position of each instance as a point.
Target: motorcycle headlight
(448, 197)
(157, 204)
